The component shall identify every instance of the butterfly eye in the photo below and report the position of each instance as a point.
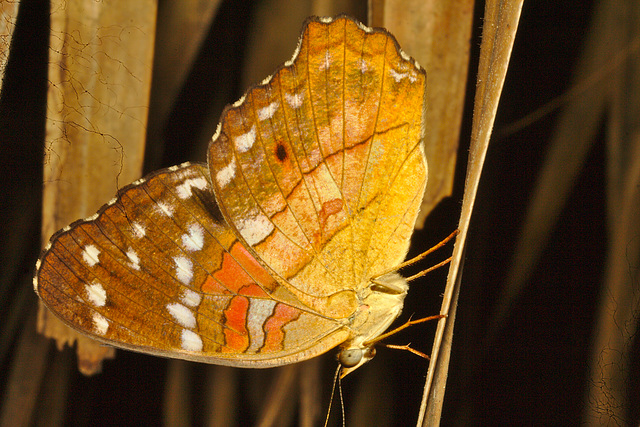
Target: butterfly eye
(350, 357)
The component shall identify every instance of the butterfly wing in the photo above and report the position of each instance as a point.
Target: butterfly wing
(318, 172)
(157, 270)
(320, 169)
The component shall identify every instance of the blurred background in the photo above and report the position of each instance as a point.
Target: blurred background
(551, 268)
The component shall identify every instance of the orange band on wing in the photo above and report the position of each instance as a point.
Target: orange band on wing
(237, 274)
(274, 339)
(236, 336)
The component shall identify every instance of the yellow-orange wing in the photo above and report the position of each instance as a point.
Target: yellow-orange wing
(320, 169)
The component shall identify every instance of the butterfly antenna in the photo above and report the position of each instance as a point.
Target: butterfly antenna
(336, 379)
(419, 257)
(344, 422)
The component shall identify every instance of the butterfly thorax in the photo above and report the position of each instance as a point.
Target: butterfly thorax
(380, 304)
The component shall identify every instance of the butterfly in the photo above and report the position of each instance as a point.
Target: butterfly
(275, 251)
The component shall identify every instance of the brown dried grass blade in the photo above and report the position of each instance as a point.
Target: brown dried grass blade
(176, 408)
(437, 34)
(223, 394)
(182, 28)
(279, 406)
(8, 16)
(573, 138)
(310, 393)
(609, 399)
(100, 78)
(500, 24)
(25, 377)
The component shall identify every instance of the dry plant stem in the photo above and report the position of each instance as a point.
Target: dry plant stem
(609, 400)
(176, 406)
(500, 24)
(25, 378)
(222, 393)
(279, 406)
(310, 392)
(8, 16)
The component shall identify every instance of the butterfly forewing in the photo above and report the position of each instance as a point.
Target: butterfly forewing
(304, 164)
(156, 271)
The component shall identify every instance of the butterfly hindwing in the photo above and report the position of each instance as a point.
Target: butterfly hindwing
(155, 271)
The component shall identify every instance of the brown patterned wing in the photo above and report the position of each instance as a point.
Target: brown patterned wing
(157, 270)
(320, 169)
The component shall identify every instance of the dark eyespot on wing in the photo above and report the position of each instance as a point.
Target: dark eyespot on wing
(281, 153)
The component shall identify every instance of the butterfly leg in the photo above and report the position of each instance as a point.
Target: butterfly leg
(409, 349)
(409, 322)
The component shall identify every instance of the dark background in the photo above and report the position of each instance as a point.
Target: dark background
(534, 372)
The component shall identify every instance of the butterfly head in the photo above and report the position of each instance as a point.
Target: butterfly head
(380, 304)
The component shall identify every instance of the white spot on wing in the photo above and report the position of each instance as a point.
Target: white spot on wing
(267, 112)
(226, 174)
(191, 298)
(100, 323)
(364, 28)
(296, 52)
(295, 100)
(194, 241)
(240, 101)
(266, 80)
(90, 255)
(327, 61)
(138, 230)
(166, 209)
(96, 294)
(182, 314)
(191, 341)
(362, 65)
(245, 141)
(255, 229)
(134, 258)
(397, 76)
(184, 189)
(259, 311)
(184, 269)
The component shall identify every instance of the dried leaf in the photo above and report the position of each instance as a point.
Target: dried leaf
(500, 25)
(100, 78)
(8, 16)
